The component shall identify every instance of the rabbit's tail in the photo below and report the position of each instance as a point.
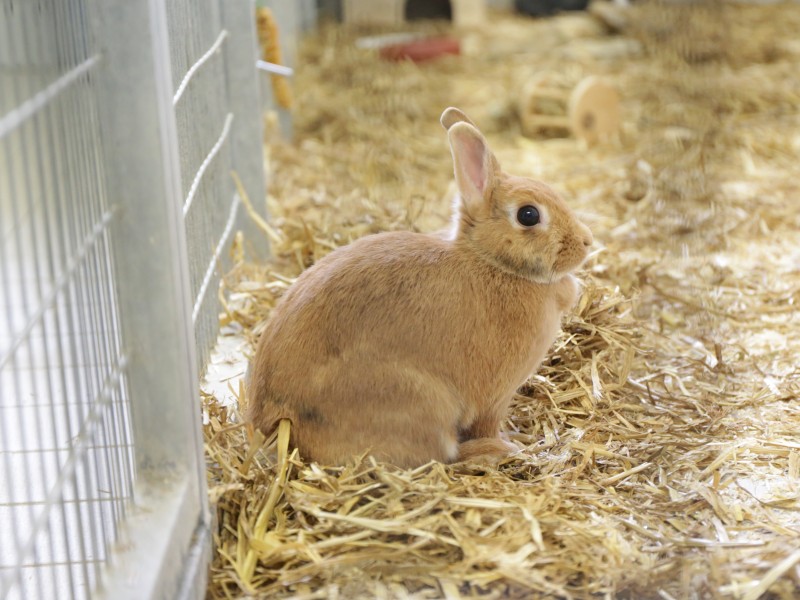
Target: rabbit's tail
(266, 413)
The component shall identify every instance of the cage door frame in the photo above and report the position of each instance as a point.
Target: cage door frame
(167, 546)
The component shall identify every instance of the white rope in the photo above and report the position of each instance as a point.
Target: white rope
(30, 107)
(196, 66)
(210, 157)
(217, 253)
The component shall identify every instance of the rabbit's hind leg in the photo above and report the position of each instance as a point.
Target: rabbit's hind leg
(485, 450)
(395, 411)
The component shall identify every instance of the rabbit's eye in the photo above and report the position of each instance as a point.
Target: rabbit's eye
(528, 216)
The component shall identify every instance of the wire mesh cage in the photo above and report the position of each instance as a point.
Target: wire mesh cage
(119, 125)
(210, 102)
(67, 463)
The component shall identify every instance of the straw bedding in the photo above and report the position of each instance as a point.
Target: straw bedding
(660, 444)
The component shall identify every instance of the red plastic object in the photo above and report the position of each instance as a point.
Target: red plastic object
(422, 50)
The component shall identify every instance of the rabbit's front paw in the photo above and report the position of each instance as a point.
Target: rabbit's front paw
(567, 292)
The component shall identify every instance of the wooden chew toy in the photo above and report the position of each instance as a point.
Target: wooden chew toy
(267, 30)
(590, 111)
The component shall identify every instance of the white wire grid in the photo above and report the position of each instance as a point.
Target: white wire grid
(204, 119)
(67, 453)
(66, 462)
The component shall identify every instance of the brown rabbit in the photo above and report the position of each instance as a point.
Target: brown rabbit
(411, 346)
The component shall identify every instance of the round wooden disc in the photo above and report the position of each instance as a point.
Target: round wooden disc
(594, 110)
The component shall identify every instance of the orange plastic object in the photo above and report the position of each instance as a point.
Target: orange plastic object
(422, 50)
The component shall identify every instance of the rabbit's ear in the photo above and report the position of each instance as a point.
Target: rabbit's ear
(452, 115)
(474, 164)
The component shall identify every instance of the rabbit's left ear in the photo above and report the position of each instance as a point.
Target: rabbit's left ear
(453, 115)
(474, 164)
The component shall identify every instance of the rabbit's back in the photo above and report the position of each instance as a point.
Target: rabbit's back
(394, 296)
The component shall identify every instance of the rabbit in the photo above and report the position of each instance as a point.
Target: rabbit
(410, 346)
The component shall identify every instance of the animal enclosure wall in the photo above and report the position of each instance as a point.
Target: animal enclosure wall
(212, 50)
(120, 123)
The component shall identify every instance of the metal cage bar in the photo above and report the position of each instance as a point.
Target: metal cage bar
(242, 82)
(120, 123)
(66, 438)
(169, 520)
(212, 50)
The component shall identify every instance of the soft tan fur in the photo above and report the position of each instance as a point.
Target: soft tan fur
(411, 346)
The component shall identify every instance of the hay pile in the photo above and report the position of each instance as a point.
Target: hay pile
(662, 435)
